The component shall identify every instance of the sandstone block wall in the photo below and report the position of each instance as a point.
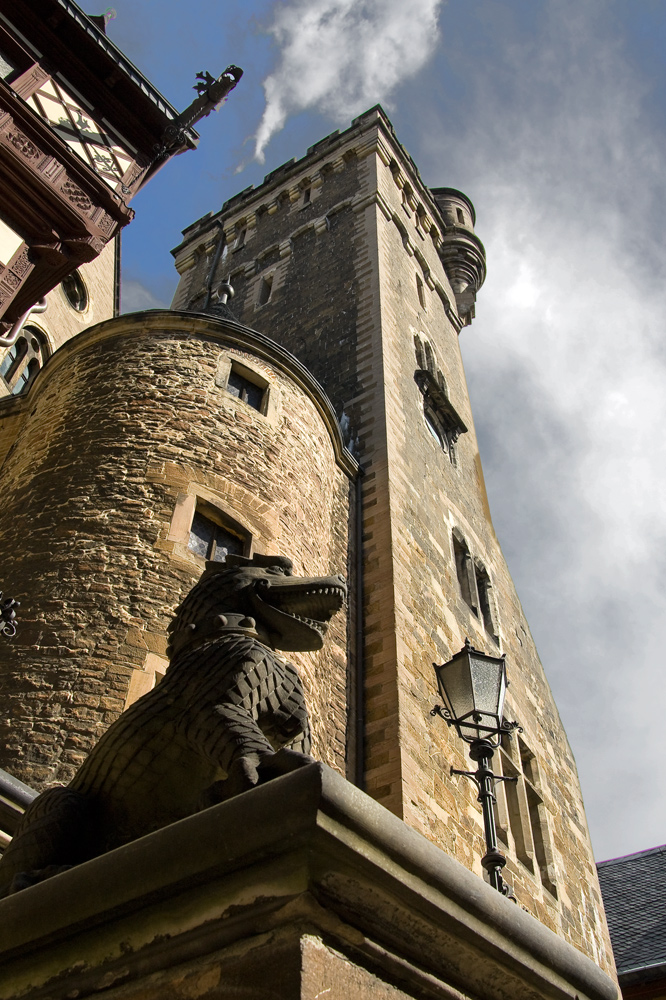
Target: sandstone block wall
(389, 312)
(128, 427)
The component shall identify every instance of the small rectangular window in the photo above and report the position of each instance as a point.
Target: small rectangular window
(420, 291)
(212, 540)
(245, 390)
(461, 217)
(307, 194)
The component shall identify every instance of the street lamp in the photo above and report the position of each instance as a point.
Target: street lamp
(473, 685)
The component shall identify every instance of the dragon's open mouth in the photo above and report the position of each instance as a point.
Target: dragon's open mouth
(299, 610)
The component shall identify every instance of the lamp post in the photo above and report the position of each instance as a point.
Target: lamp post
(473, 685)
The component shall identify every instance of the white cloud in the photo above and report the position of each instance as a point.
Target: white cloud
(568, 378)
(341, 56)
(135, 297)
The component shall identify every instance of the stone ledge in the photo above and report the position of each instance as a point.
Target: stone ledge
(305, 854)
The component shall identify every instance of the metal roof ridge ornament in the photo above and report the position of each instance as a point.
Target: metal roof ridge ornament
(8, 616)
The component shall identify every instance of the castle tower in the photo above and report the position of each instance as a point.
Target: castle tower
(122, 487)
(321, 413)
(351, 263)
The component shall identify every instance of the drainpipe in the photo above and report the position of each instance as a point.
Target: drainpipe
(213, 266)
(13, 334)
(116, 274)
(360, 665)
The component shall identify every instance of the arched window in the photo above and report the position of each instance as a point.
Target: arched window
(23, 360)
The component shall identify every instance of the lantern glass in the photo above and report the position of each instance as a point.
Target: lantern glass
(473, 686)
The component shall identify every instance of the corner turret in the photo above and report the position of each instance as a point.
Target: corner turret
(461, 251)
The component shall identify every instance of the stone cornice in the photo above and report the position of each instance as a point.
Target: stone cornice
(307, 851)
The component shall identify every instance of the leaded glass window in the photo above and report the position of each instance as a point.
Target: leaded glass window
(23, 360)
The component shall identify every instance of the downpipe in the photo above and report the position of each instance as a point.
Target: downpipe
(10, 339)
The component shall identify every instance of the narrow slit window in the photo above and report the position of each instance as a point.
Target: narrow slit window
(307, 195)
(265, 290)
(484, 590)
(461, 217)
(464, 571)
(518, 814)
(420, 291)
(521, 812)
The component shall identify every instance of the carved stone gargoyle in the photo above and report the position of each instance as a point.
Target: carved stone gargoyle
(228, 715)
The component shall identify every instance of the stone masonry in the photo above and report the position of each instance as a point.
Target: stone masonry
(347, 260)
(101, 486)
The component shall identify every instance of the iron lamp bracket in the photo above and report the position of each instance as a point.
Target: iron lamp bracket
(8, 616)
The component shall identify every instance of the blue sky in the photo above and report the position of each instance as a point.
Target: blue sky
(550, 115)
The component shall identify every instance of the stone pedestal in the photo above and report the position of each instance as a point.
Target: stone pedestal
(302, 888)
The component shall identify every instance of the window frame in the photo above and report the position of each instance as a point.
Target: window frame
(520, 814)
(31, 360)
(247, 375)
(261, 376)
(208, 512)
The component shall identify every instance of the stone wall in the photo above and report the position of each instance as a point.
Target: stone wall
(373, 223)
(94, 525)
(336, 899)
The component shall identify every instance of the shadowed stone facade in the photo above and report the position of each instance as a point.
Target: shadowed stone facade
(337, 899)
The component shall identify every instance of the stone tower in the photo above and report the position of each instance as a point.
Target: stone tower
(351, 263)
(321, 412)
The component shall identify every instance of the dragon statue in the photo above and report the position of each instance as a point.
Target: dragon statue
(229, 714)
